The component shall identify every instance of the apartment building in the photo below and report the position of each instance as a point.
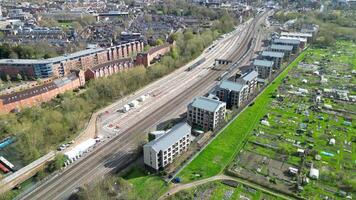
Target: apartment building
(249, 79)
(42, 93)
(293, 42)
(286, 49)
(206, 113)
(163, 150)
(236, 92)
(276, 57)
(62, 65)
(264, 68)
(233, 93)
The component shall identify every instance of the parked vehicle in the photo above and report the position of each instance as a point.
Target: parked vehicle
(4, 169)
(7, 163)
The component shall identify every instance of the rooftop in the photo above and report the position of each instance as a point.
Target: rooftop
(208, 104)
(176, 133)
(52, 60)
(264, 63)
(250, 75)
(297, 34)
(17, 96)
(282, 47)
(287, 41)
(122, 60)
(230, 85)
(273, 54)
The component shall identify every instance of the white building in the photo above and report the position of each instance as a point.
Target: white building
(163, 150)
(206, 113)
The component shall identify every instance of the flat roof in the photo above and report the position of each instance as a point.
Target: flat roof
(264, 63)
(273, 54)
(172, 136)
(250, 75)
(24, 61)
(293, 38)
(230, 85)
(208, 104)
(76, 54)
(282, 47)
(297, 34)
(287, 41)
(54, 59)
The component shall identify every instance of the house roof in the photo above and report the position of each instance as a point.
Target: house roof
(208, 104)
(157, 48)
(18, 96)
(176, 133)
(273, 54)
(282, 47)
(122, 60)
(264, 63)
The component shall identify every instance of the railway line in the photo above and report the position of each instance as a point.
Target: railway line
(118, 151)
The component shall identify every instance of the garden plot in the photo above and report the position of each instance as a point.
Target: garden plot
(265, 171)
(310, 125)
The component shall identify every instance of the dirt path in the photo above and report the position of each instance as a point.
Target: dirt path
(179, 187)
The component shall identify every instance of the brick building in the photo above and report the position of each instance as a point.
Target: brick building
(153, 54)
(62, 65)
(109, 68)
(39, 94)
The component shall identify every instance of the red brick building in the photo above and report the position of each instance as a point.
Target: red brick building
(109, 68)
(153, 54)
(39, 94)
(63, 65)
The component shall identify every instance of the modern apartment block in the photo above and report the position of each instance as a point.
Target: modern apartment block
(249, 79)
(163, 150)
(286, 49)
(233, 93)
(238, 92)
(276, 57)
(264, 68)
(293, 42)
(206, 113)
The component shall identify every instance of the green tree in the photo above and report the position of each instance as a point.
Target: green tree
(19, 77)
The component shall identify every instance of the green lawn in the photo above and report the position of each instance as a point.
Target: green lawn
(218, 154)
(146, 186)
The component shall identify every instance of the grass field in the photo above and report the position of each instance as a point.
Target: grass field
(146, 186)
(219, 153)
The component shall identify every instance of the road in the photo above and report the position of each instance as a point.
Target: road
(119, 150)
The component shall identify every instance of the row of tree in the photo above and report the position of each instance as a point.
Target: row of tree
(40, 50)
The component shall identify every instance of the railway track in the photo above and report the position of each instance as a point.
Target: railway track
(63, 185)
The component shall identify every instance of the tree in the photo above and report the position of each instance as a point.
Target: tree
(19, 77)
(159, 41)
(57, 163)
(8, 78)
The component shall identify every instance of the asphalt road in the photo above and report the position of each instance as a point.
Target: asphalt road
(119, 150)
